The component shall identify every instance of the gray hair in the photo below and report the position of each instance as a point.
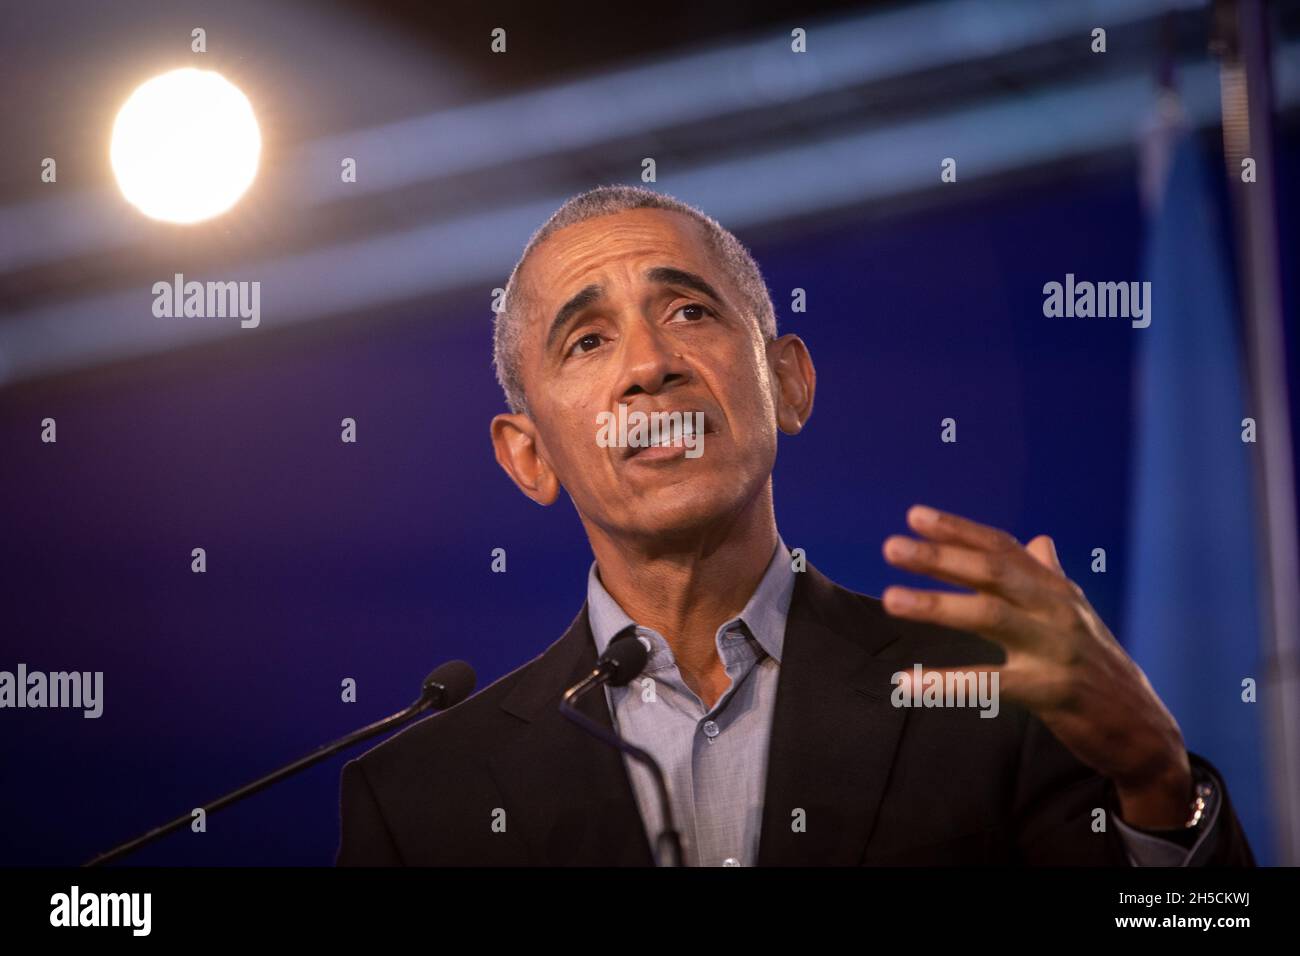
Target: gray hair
(507, 331)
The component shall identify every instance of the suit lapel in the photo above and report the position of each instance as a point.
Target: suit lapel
(567, 792)
(833, 739)
(834, 730)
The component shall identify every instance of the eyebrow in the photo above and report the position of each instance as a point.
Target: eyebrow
(659, 275)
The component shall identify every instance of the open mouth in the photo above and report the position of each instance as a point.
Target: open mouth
(681, 432)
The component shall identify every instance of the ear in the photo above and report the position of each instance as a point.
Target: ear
(516, 442)
(795, 380)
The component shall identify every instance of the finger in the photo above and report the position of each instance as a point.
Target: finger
(944, 526)
(985, 614)
(1012, 574)
(1043, 550)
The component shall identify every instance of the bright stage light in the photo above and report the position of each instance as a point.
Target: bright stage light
(185, 146)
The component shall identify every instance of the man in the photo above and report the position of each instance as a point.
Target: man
(774, 699)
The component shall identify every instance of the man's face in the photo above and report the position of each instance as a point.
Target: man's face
(633, 308)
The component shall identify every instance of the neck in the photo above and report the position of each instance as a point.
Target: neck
(686, 587)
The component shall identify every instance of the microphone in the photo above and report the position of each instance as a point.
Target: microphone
(446, 686)
(622, 661)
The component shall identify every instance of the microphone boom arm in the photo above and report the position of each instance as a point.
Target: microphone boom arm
(433, 695)
(668, 851)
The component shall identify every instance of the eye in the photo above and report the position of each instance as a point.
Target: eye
(590, 338)
(703, 310)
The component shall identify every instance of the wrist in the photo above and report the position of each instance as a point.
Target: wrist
(1162, 801)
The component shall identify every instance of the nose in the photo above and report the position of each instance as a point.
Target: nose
(650, 363)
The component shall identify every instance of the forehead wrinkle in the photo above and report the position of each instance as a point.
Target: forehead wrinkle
(655, 275)
(588, 252)
(581, 266)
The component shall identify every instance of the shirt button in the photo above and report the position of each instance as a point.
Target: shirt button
(731, 861)
(710, 729)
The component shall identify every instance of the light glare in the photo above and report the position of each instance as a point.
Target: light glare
(185, 146)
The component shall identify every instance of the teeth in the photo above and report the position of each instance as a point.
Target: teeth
(675, 432)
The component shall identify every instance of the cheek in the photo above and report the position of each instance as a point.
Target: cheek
(752, 389)
(573, 449)
(753, 409)
(751, 361)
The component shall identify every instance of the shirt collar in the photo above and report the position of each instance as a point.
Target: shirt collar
(764, 615)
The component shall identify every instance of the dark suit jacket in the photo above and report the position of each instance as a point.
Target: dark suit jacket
(878, 784)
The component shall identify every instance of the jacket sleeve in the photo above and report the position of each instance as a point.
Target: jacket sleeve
(364, 836)
(1150, 848)
(1225, 842)
(1066, 813)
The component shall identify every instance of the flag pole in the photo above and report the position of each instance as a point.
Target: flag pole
(1241, 40)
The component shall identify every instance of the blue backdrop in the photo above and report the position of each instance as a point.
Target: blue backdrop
(372, 560)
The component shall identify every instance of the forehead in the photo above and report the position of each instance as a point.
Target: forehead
(571, 257)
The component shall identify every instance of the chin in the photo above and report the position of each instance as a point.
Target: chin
(685, 509)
